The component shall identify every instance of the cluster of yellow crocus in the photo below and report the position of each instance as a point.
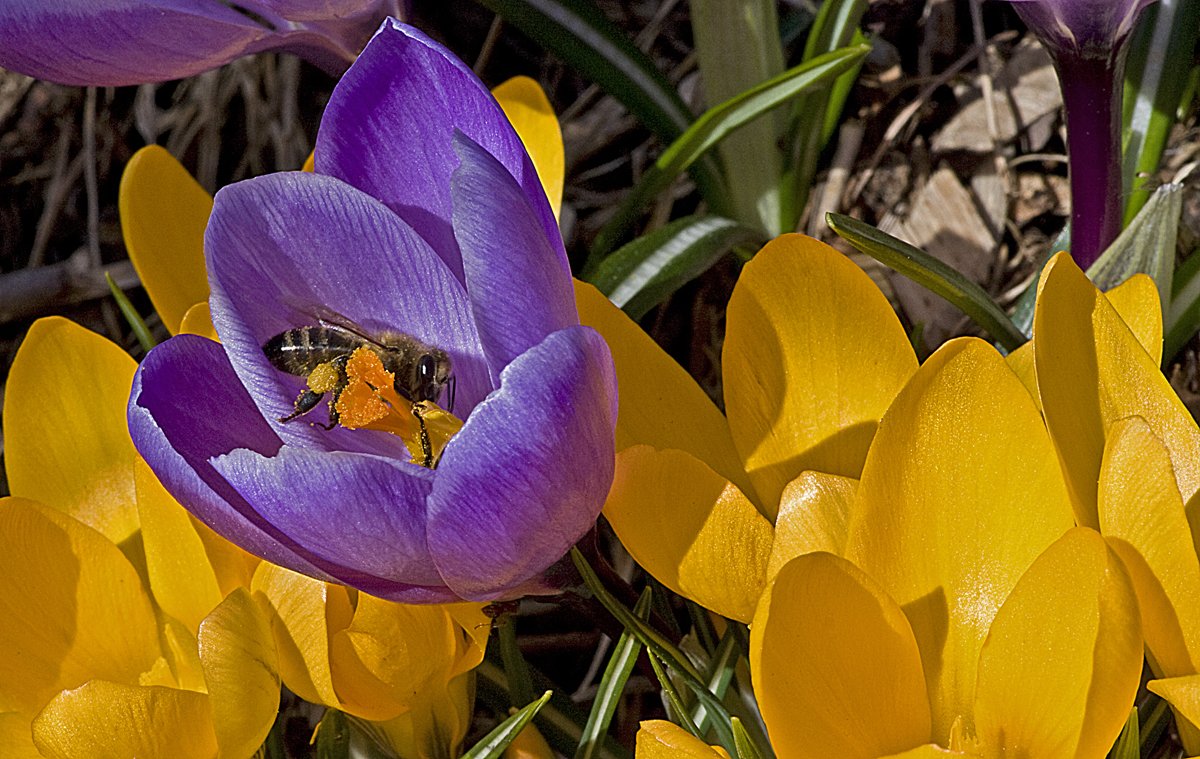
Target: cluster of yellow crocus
(929, 566)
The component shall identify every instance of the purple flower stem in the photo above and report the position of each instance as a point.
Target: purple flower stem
(1091, 87)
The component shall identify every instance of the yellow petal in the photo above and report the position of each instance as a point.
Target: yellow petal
(198, 321)
(1183, 694)
(310, 163)
(529, 744)
(71, 608)
(1136, 302)
(1021, 361)
(660, 404)
(1092, 371)
(181, 576)
(296, 606)
(435, 726)
(929, 751)
(103, 720)
(242, 673)
(180, 666)
(233, 567)
(659, 739)
(1143, 517)
(477, 627)
(690, 528)
(813, 356)
(389, 654)
(163, 215)
(66, 439)
(529, 111)
(16, 737)
(1060, 669)
(813, 516)
(960, 493)
(835, 666)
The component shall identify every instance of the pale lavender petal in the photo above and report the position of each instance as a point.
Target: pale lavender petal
(364, 513)
(527, 475)
(519, 293)
(387, 130)
(286, 248)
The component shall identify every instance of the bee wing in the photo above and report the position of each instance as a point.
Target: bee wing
(331, 318)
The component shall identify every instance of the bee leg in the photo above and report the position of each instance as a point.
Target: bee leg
(426, 446)
(304, 403)
(342, 381)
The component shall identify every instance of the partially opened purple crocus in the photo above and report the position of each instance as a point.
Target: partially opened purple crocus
(426, 217)
(1087, 39)
(119, 42)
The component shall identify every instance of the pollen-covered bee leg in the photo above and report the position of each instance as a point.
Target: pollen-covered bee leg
(426, 445)
(343, 380)
(305, 402)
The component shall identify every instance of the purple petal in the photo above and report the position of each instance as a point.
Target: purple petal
(387, 130)
(119, 42)
(286, 248)
(188, 407)
(364, 513)
(527, 475)
(1088, 27)
(519, 292)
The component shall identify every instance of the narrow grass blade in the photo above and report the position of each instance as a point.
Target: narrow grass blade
(520, 685)
(333, 736)
(140, 330)
(931, 274)
(661, 647)
(577, 32)
(679, 710)
(720, 674)
(616, 674)
(493, 744)
(745, 746)
(715, 124)
(647, 270)
(1160, 50)
(1128, 745)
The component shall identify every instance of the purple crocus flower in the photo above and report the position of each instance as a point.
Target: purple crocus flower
(119, 42)
(426, 216)
(1087, 39)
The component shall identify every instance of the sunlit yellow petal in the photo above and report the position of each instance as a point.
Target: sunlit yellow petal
(198, 321)
(389, 654)
(103, 720)
(929, 751)
(434, 727)
(690, 528)
(1136, 302)
(1092, 371)
(297, 608)
(660, 404)
(242, 672)
(16, 737)
(1021, 361)
(529, 111)
(813, 356)
(476, 626)
(71, 608)
(66, 439)
(813, 516)
(835, 666)
(529, 744)
(181, 576)
(659, 739)
(232, 566)
(1061, 665)
(310, 163)
(960, 493)
(181, 656)
(163, 215)
(1142, 516)
(1183, 694)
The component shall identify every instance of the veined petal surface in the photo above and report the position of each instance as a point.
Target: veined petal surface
(814, 515)
(960, 493)
(813, 356)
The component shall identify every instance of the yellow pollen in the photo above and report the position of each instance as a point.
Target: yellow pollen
(324, 378)
(370, 401)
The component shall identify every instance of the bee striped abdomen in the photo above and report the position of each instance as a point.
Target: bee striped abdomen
(301, 350)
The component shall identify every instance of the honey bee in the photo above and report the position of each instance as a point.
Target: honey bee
(422, 371)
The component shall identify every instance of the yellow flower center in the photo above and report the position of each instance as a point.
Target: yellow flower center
(370, 401)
